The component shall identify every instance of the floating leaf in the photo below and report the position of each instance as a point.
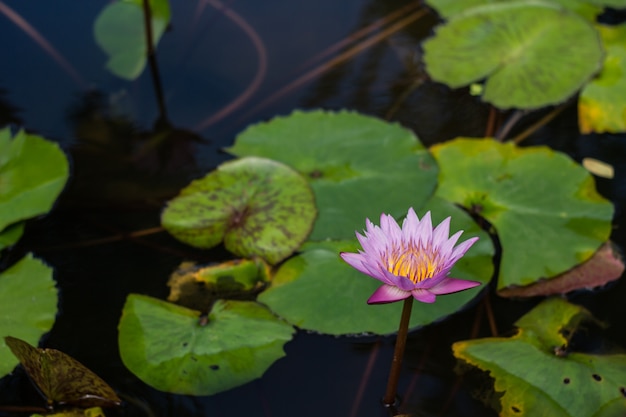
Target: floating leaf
(585, 8)
(76, 412)
(33, 172)
(518, 47)
(10, 235)
(168, 348)
(259, 207)
(197, 287)
(599, 168)
(601, 107)
(120, 31)
(28, 305)
(358, 166)
(544, 207)
(318, 291)
(603, 267)
(537, 375)
(61, 378)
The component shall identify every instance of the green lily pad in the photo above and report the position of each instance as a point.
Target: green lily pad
(10, 235)
(588, 9)
(358, 166)
(120, 31)
(62, 379)
(544, 206)
(257, 206)
(537, 375)
(601, 107)
(197, 287)
(28, 305)
(318, 291)
(33, 172)
(518, 47)
(76, 412)
(168, 348)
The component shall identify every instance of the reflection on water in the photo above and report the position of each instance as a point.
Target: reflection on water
(127, 159)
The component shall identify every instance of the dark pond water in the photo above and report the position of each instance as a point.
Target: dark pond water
(53, 82)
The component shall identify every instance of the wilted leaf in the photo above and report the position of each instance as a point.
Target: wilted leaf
(537, 374)
(28, 305)
(197, 287)
(257, 206)
(603, 267)
(316, 290)
(358, 166)
(544, 206)
(170, 349)
(519, 48)
(61, 378)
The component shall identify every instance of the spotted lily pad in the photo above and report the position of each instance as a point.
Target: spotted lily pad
(172, 349)
(601, 107)
(318, 291)
(544, 206)
(358, 166)
(518, 48)
(120, 31)
(28, 305)
(33, 171)
(536, 373)
(62, 379)
(257, 206)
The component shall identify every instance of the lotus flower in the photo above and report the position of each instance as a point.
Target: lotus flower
(414, 260)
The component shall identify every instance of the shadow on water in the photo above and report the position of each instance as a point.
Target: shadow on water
(127, 160)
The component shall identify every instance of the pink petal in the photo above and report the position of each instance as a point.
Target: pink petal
(425, 296)
(441, 233)
(355, 260)
(388, 294)
(424, 232)
(450, 285)
(460, 250)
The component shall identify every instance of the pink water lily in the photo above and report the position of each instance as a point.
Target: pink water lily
(414, 260)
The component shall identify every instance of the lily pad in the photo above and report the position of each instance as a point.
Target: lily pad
(537, 374)
(518, 48)
(318, 291)
(28, 305)
(358, 166)
(601, 107)
(168, 348)
(62, 379)
(197, 287)
(588, 9)
(76, 412)
(257, 206)
(120, 31)
(10, 235)
(33, 172)
(544, 206)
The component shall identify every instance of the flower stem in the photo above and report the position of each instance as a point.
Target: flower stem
(394, 373)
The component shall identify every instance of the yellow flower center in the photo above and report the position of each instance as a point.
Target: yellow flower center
(413, 263)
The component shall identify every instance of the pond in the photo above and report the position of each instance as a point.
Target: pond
(219, 68)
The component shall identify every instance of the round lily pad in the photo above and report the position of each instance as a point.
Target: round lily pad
(257, 206)
(566, 383)
(171, 349)
(33, 171)
(358, 166)
(120, 31)
(544, 206)
(518, 48)
(318, 291)
(28, 306)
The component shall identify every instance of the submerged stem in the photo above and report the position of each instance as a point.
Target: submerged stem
(394, 373)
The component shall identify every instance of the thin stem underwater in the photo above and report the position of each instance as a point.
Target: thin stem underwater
(394, 373)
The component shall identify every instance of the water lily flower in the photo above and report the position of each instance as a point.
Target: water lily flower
(414, 260)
